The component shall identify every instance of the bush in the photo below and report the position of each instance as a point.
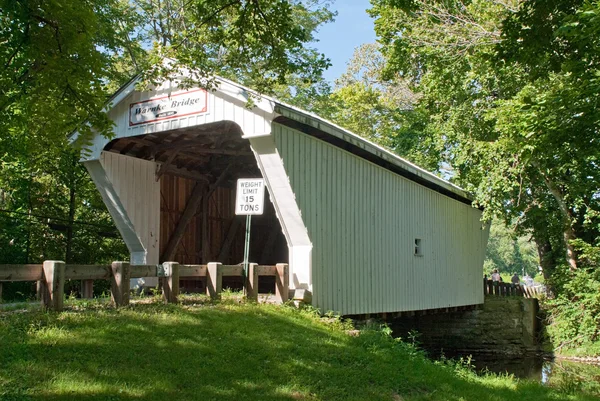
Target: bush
(575, 313)
(18, 291)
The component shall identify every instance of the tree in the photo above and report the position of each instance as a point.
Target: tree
(57, 61)
(61, 61)
(505, 86)
(378, 109)
(509, 253)
(259, 43)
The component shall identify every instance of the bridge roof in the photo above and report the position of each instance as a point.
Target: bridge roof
(312, 124)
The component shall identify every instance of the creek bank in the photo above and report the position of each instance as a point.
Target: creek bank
(591, 360)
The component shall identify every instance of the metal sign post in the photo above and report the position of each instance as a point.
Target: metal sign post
(249, 200)
(247, 245)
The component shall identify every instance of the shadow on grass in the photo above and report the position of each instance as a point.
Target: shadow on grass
(223, 352)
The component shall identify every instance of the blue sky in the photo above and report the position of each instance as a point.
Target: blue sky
(337, 40)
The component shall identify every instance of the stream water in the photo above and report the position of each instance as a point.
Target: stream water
(567, 375)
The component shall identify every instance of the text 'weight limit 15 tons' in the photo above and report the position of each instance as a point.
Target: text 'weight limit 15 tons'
(250, 196)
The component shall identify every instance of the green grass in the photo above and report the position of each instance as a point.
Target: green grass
(226, 351)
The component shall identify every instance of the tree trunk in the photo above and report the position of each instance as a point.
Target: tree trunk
(547, 263)
(569, 235)
(567, 215)
(69, 250)
(544, 250)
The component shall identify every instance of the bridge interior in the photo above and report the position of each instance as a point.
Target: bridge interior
(198, 170)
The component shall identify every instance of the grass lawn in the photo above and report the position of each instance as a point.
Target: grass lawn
(225, 351)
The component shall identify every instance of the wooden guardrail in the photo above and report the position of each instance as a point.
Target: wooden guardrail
(499, 288)
(51, 276)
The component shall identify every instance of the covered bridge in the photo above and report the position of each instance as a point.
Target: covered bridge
(362, 229)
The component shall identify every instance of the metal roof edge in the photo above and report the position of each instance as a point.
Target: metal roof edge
(330, 128)
(327, 127)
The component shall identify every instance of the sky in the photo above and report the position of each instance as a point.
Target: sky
(351, 28)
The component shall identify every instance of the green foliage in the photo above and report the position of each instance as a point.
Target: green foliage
(381, 110)
(258, 43)
(226, 351)
(52, 210)
(57, 59)
(61, 61)
(509, 88)
(509, 253)
(574, 323)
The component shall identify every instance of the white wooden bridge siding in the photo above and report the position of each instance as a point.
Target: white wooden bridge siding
(228, 104)
(134, 182)
(363, 219)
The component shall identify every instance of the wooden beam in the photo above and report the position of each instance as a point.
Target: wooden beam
(54, 284)
(21, 272)
(137, 271)
(251, 283)
(163, 167)
(233, 228)
(197, 149)
(127, 148)
(188, 213)
(205, 240)
(214, 280)
(204, 231)
(282, 283)
(190, 175)
(225, 152)
(87, 272)
(179, 144)
(192, 271)
(171, 282)
(231, 270)
(87, 289)
(120, 283)
(141, 141)
(219, 181)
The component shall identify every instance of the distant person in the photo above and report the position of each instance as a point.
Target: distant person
(515, 279)
(528, 281)
(496, 276)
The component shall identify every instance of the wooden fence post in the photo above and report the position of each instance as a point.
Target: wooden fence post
(252, 282)
(119, 281)
(87, 289)
(214, 280)
(53, 285)
(282, 282)
(171, 282)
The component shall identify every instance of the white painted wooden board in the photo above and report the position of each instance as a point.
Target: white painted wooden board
(135, 184)
(228, 103)
(362, 221)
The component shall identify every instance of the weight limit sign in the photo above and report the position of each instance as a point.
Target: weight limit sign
(250, 196)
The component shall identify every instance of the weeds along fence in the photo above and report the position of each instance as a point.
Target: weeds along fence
(498, 288)
(51, 276)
